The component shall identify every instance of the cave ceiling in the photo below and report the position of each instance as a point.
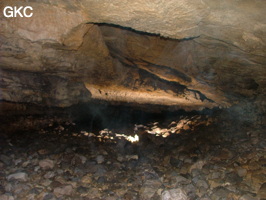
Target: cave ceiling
(187, 54)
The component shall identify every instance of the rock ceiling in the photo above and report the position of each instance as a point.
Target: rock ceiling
(187, 54)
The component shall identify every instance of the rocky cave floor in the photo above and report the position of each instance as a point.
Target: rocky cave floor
(191, 157)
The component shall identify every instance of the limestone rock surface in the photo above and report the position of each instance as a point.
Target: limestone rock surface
(187, 54)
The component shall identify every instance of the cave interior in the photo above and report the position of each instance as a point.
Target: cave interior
(94, 107)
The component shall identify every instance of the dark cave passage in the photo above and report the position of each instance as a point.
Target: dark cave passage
(104, 115)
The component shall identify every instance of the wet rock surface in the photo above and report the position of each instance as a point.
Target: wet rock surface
(174, 159)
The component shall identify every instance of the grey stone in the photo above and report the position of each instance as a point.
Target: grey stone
(100, 159)
(176, 162)
(6, 197)
(195, 172)
(174, 194)
(101, 170)
(215, 175)
(49, 196)
(49, 175)
(181, 180)
(20, 188)
(5, 159)
(149, 188)
(201, 191)
(1, 165)
(82, 189)
(101, 180)
(2, 190)
(220, 193)
(20, 176)
(202, 183)
(232, 178)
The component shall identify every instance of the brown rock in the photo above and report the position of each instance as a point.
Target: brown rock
(262, 191)
(46, 164)
(241, 172)
(248, 197)
(65, 190)
(257, 180)
(224, 154)
(86, 179)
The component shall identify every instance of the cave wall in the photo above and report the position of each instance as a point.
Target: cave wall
(189, 55)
